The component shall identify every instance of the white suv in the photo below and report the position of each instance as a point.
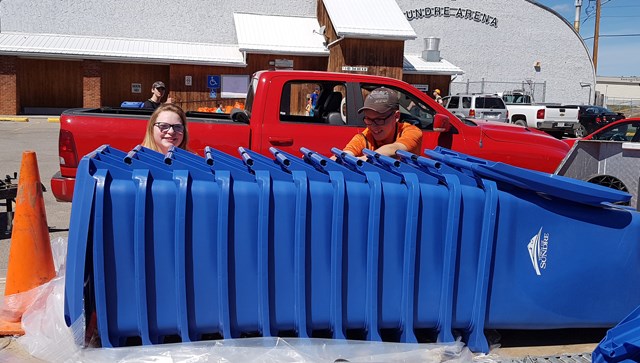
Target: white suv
(480, 106)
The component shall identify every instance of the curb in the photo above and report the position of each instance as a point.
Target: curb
(14, 119)
(53, 119)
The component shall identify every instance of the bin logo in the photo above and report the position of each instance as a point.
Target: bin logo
(538, 247)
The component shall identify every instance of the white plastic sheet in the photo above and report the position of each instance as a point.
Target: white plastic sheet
(48, 338)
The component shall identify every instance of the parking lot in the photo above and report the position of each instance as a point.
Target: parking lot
(41, 136)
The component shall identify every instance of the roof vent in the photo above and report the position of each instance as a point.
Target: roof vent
(431, 52)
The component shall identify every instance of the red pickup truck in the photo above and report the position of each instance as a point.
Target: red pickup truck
(275, 115)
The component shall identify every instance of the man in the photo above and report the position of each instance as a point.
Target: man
(157, 92)
(384, 134)
(436, 96)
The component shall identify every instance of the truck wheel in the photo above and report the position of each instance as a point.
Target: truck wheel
(520, 123)
(580, 131)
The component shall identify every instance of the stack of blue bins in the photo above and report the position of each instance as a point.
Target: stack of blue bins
(622, 342)
(178, 247)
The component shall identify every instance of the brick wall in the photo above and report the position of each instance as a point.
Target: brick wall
(9, 99)
(91, 80)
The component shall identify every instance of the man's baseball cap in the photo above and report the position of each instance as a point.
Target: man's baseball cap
(381, 100)
(159, 84)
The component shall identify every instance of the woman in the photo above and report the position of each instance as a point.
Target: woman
(167, 127)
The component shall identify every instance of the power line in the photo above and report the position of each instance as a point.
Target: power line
(590, 10)
(613, 36)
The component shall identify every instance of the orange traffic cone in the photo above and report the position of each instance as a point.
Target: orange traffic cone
(30, 258)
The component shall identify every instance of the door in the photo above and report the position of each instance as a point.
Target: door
(289, 124)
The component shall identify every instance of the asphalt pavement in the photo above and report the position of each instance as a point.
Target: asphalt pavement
(40, 134)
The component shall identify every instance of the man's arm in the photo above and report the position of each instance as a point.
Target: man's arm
(390, 149)
(409, 140)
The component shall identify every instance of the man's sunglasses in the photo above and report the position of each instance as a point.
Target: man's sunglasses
(164, 127)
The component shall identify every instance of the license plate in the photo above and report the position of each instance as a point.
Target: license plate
(491, 115)
(560, 124)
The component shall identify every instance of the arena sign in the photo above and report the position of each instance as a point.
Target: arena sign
(449, 12)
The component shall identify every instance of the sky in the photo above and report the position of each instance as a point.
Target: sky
(618, 55)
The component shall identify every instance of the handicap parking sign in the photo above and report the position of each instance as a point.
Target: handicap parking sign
(213, 81)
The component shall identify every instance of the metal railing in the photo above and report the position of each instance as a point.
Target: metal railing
(536, 89)
(629, 106)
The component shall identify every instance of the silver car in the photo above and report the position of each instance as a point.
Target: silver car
(480, 106)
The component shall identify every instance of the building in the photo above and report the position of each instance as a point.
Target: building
(100, 53)
(621, 94)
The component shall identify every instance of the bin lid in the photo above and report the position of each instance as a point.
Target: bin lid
(553, 185)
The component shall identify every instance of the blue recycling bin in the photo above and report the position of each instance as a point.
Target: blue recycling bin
(622, 342)
(555, 244)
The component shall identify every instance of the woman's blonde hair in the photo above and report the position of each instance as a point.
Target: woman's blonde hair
(148, 140)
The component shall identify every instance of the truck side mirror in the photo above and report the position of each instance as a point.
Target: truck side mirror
(441, 123)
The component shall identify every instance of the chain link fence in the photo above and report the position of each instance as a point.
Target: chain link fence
(629, 106)
(536, 89)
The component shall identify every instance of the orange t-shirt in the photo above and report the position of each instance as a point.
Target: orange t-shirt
(407, 134)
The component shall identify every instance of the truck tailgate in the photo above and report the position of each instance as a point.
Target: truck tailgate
(567, 114)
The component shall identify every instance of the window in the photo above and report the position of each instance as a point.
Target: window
(622, 132)
(412, 110)
(489, 102)
(313, 102)
(234, 86)
(454, 102)
(466, 102)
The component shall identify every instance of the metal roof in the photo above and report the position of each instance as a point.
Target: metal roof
(415, 64)
(279, 34)
(137, 50)
(380, 19)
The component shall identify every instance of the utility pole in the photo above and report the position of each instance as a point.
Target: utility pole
(576, 22)
(596, 34)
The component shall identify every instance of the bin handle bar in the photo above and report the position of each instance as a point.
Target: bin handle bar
(382, 159)
(343, 155)
(280, 158)
(314, 157)
(246, 158)
(131, 154)
(425, 162)
(450, 159)
(207, 155)
(168, 159)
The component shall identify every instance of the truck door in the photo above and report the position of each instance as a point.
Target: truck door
(311, 114)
